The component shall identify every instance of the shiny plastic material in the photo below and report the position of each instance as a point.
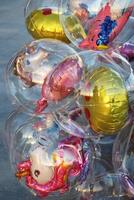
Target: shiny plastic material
(28, 69)
(106, 91)
(46, 159)
(94, 24)
(42, 20)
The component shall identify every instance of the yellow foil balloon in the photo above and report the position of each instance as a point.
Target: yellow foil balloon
(106, 101)
(45, 23)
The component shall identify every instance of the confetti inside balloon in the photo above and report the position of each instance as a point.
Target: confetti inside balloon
(42, 20)
(97, 23)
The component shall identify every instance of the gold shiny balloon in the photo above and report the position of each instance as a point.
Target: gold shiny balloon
(105, 101)
(45, 23)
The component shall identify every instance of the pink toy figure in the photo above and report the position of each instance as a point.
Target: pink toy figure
(48, 173)
(60, 83)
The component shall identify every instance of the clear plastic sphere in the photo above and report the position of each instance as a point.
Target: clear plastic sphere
(102, 185)
(46, 159)
(42, 20)
(15, 119)
(123, 158)
(105, 187)
(74, 118)
(27, 71)
(106, 91)
(126, 34)
(95, 24)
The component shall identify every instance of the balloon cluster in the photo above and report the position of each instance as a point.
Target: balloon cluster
(75, 86)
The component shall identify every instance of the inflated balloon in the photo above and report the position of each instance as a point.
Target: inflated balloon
(61, 82)
(30, 66)
(106, 91)
(126, 34)
(123, 158)
(94, 25)
(73, 121)
(45, 175)
(15, 119)
(42, 20)
(127, 50)
(106, 103)
(106, 186)
(47, 158)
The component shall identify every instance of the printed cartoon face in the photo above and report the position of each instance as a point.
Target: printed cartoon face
(42, 168)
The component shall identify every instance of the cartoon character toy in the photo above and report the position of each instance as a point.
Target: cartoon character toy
(46, 173)
(60, 82)
(31, 66)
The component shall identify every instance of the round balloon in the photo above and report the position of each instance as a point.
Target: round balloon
(28, 69)
(94, 24)
(60, 84)
(123, 158)
(106, 91)
(42, 20)
(47, 159)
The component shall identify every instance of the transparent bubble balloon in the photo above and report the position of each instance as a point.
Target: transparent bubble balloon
(123, 158)
(103, 184)
(126, 34)
(27, 71)
(106, 91)
(15, 119)
(105, 187)
(74, 118)
(42, 20)
(95, 24)
(46, 159)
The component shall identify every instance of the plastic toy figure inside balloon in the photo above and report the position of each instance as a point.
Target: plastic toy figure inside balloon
(46, 173)
(101, 27)
(29, 66)
(28, 71)
(61, 82)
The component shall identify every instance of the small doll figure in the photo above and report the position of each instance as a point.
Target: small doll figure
(46, 173)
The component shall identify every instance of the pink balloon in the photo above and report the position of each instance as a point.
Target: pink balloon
(60, 82)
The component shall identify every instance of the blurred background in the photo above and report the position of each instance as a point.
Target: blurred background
(13, 35)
